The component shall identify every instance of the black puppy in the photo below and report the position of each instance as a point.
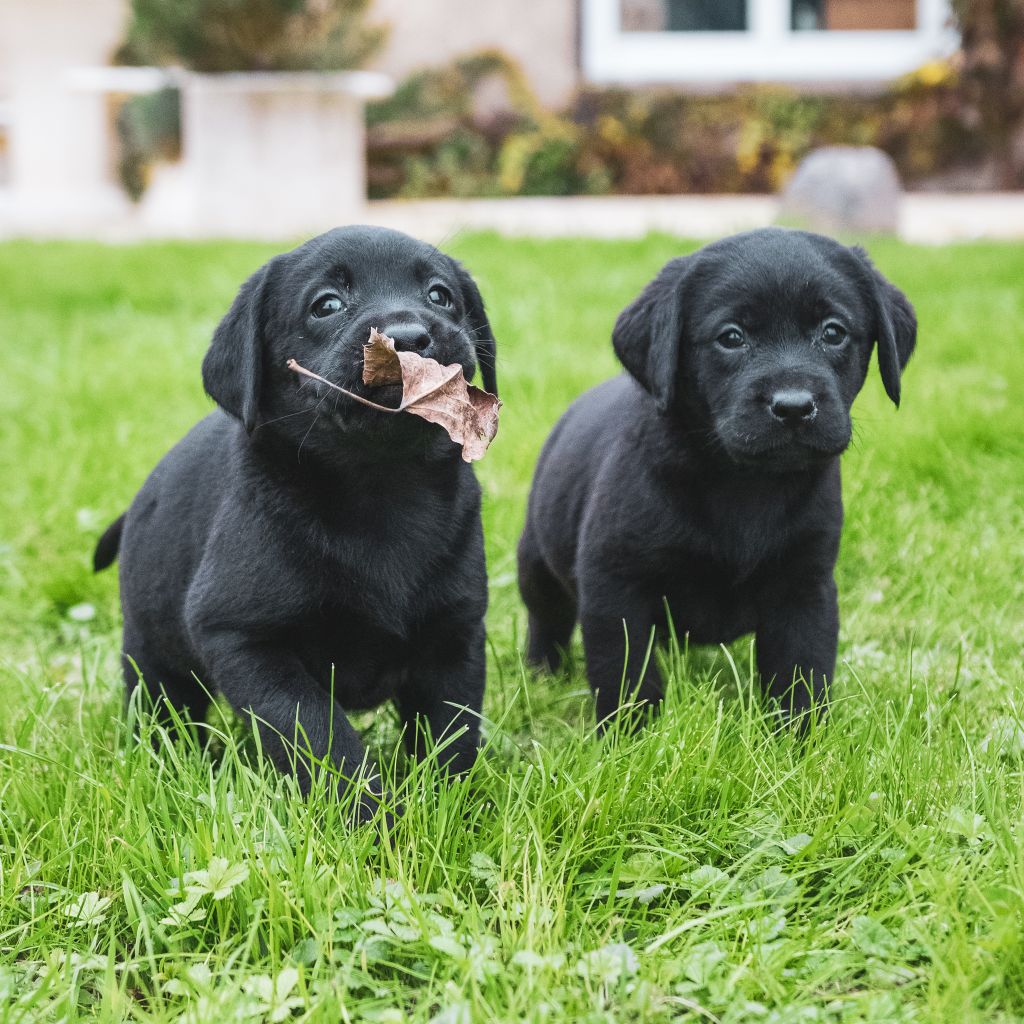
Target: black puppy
(706, 484)
(300, 553)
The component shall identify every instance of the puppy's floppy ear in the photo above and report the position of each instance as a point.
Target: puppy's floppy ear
(233, 365)
(480, 328)
(895, 330)
(648, 333)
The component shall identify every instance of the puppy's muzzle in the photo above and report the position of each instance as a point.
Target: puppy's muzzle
(412, 337)
(793, 406)
(439, 343)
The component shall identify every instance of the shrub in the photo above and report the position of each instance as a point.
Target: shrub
(992, 80)
(250, 35)
(432, 139)
(149, 129)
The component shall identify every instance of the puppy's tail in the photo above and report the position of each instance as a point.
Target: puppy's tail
(106, 549)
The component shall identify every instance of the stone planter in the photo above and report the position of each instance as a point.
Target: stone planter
(266, 154)
(57, 162)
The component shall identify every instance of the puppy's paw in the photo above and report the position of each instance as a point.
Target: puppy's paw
(373, 805)
(799, 710)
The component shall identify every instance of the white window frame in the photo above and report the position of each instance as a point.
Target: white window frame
(768, 51)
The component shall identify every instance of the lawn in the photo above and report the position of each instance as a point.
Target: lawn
(707, 869)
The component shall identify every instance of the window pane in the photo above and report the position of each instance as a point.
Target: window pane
(684, 15)
(864, 15)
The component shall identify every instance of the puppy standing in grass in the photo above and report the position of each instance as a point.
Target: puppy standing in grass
(706, 483)
(300, 553)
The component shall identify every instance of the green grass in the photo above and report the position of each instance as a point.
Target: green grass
(705, 870)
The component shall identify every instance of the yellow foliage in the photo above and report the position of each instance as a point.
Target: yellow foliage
(930, 76)
(612, 130)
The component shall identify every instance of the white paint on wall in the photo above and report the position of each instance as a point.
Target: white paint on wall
(769, 51)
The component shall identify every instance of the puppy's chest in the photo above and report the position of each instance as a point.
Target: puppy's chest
(394, 568)
(385, 579)
(709, 575)
(371, 600)
(729, 536)
(743, 537)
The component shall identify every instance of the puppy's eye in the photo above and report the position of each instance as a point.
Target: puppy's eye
(731, 339)
(833, 333)
(327, 305)
(440, 296)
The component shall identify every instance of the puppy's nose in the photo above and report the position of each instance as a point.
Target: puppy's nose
(409, 337)
(793, 406)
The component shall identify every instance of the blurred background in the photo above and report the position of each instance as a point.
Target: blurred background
(277, 118)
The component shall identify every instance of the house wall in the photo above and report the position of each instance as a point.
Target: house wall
(44, 35)
(539, 34)
(55, 136)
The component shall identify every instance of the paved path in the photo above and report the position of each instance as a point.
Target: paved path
(926, 217)
(933, 218)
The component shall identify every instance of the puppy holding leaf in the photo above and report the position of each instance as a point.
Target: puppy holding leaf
(302, 553)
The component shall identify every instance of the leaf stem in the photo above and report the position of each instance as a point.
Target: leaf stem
(406, 401)
(294, 366)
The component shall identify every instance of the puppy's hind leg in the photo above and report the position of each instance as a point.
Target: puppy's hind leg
(618, 629)
(551, 608)
(170, 694)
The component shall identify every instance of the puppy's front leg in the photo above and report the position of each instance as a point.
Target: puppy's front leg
(298, 721)
(797, 635)
(617, 628)
(444, 694)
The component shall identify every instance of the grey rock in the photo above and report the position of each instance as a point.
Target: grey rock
(844, 188)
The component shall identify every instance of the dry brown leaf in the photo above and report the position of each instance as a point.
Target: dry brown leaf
(381, 364)
(436, 393)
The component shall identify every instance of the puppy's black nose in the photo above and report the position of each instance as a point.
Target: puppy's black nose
(409, 337)
(793, 406)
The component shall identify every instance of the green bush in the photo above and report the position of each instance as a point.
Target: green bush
(251, 35)
(992, 75)
(966, 112)
(430, 138)
(148, 129)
